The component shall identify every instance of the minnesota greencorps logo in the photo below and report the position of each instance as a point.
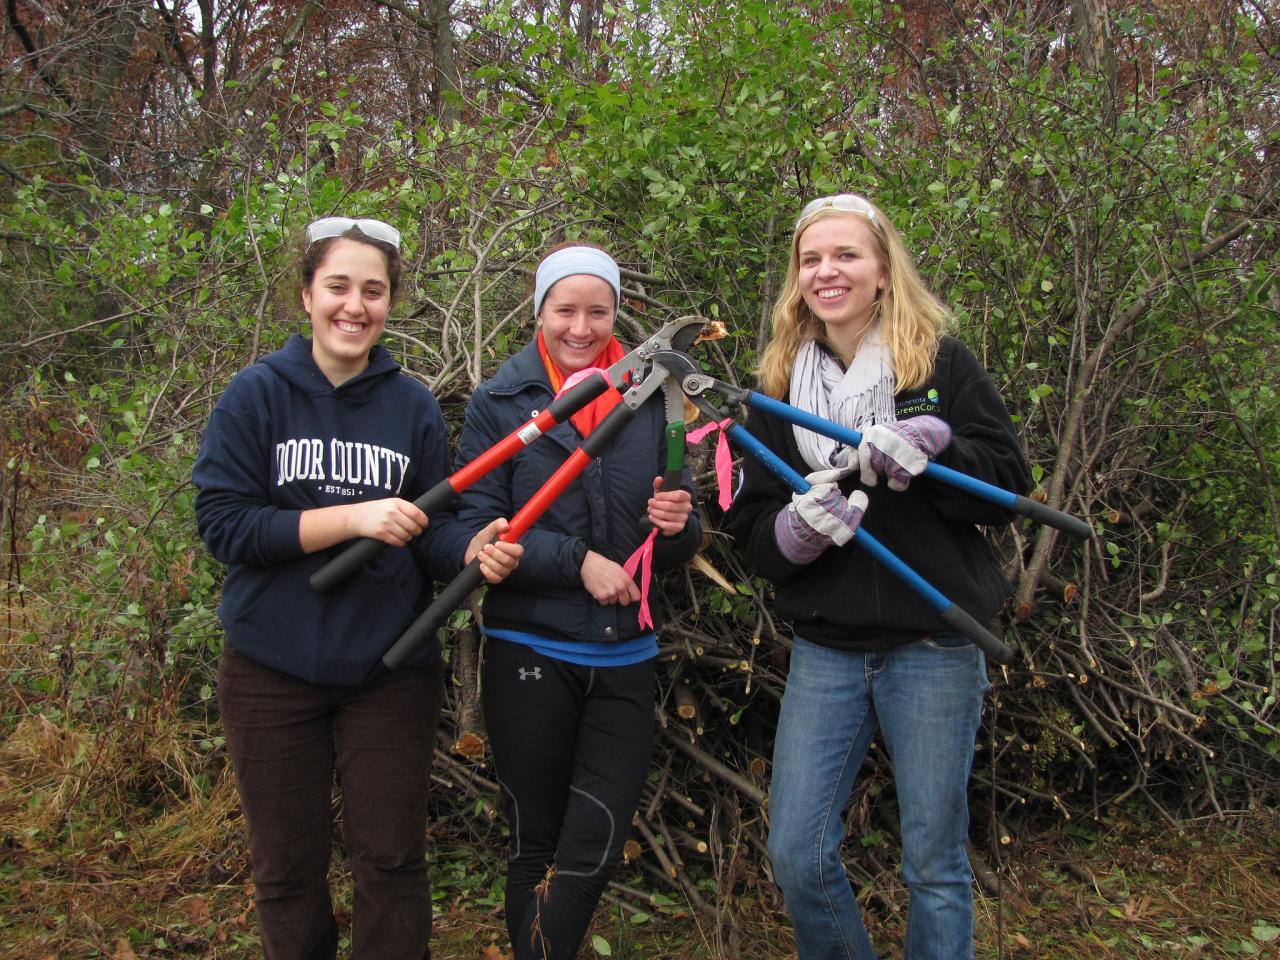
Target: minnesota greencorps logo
(917, 405)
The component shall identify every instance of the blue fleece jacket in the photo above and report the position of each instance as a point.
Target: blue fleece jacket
(600, 510)
(282, 439)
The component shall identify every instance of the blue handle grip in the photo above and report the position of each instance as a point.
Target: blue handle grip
(950, 613)
(1023, 506)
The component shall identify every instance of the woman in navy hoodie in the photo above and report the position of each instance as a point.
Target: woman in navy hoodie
(321, 442)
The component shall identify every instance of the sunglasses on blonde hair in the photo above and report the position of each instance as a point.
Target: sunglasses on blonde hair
(844, 202)
(327, 227)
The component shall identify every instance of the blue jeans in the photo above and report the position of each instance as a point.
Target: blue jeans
(926, 698)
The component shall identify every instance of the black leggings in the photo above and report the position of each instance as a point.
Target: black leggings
(571, 745)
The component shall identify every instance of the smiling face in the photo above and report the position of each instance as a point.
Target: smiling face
(840, 274)
(577, 320)
(347, 301)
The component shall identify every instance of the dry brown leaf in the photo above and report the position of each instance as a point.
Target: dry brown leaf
(691, 413)
(1135, 910)
(197, 909)
(712, 330)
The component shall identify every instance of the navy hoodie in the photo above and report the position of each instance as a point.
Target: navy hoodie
(283, 439)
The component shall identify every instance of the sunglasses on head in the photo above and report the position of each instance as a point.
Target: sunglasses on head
(327, 227)
(844, 202)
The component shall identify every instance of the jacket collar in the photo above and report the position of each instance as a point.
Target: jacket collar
(522, 372)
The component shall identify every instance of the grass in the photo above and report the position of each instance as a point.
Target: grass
(120, 838)
(1145, 891)
(125, 842)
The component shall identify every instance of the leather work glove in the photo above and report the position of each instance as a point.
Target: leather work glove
(900, 451)
(816, 520)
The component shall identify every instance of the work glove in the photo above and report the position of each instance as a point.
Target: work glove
(818, 519)
(900, 451)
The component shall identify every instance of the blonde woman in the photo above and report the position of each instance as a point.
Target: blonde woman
(858, 339)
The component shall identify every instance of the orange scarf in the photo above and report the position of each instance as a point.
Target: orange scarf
(589, 417)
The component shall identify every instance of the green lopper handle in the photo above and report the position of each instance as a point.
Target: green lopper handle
(675, 455)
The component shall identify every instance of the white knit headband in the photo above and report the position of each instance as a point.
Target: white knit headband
(570, 261)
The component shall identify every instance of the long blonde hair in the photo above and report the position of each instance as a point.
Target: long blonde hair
(910, 316)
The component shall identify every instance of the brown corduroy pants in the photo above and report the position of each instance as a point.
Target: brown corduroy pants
(288, 738)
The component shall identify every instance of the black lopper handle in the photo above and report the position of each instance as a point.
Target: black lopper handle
(956, 617)
(1043, 513)
(366, 548)
(424, 628)
(578, 396)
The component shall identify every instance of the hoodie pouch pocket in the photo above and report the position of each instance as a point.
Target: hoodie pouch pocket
(320, 635)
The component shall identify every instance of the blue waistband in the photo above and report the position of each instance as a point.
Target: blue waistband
(621, 654)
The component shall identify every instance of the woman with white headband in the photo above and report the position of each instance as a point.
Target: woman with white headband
(568, 682)
(857, 338)
(321, 442)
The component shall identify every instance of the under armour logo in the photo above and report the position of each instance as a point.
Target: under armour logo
(536, 673)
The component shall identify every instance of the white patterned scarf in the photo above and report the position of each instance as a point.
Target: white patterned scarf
(855, 398)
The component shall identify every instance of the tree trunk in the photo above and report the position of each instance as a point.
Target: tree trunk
(447, 85)
(1095, 51)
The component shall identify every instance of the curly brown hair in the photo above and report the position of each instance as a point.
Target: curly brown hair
(309, 258)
